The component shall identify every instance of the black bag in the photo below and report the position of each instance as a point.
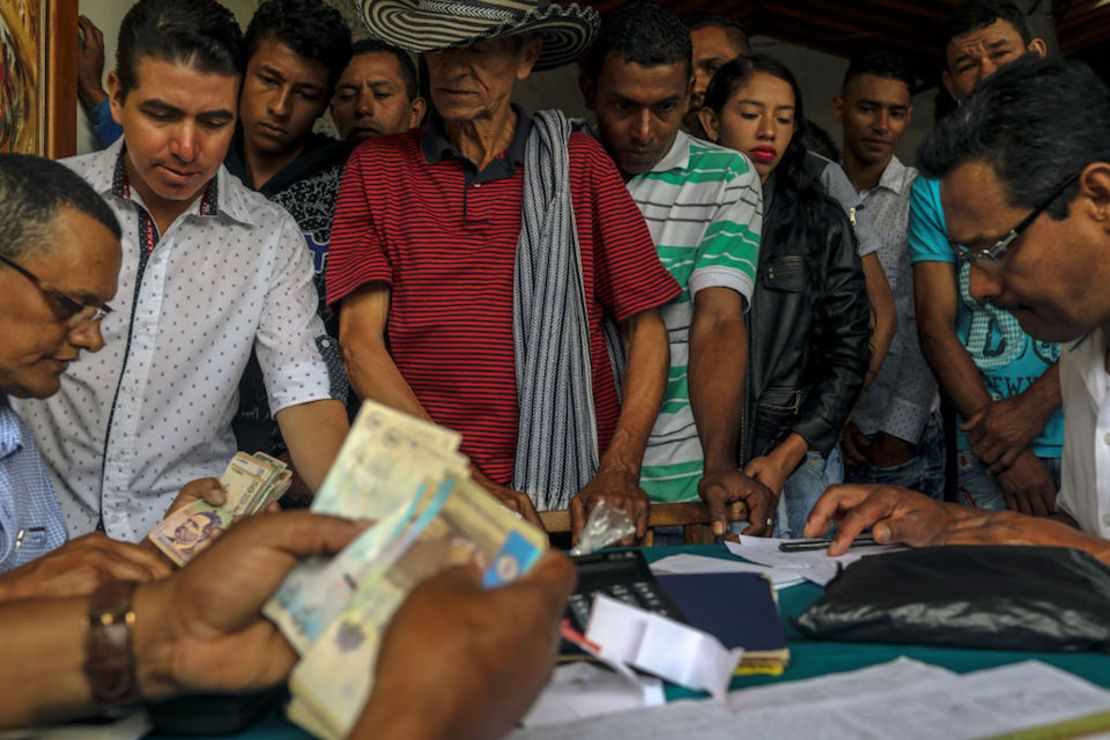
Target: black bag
(995, 597)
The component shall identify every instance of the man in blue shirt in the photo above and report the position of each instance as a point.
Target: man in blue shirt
(59, 261)
(1004, 383)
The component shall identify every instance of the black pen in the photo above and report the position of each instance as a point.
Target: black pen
(864, 540)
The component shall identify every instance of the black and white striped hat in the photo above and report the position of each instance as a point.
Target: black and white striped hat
(430, 25)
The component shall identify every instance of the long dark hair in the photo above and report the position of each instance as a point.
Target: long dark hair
(801, 208)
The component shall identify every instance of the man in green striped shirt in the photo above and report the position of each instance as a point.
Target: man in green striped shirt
(703, 205)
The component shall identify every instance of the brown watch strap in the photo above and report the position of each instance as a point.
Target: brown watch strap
(109, 661)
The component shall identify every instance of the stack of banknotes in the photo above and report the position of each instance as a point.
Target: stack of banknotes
(252, 483)
(407, 476)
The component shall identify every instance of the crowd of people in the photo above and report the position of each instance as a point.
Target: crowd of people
(679, 302)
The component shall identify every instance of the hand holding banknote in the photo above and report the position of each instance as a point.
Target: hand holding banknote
(205, 508)
(462, 661)
(202, 629)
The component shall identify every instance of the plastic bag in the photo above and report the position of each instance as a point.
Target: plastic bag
(606, 525)
(996, 597)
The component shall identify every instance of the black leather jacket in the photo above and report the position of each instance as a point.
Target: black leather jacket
(809, 332)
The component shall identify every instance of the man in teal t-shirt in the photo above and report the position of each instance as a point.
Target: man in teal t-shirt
(1004, 383)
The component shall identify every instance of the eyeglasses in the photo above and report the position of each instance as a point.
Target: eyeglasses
(68, 309)
(998, 250)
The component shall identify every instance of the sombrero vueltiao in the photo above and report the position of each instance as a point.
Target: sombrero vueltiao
(431, 25)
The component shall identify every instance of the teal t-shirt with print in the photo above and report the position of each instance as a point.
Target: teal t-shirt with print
(1009, 359)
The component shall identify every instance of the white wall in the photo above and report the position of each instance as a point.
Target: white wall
(819, 76)
(107, 15)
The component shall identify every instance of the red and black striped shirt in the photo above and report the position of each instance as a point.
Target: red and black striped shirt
(444, 239)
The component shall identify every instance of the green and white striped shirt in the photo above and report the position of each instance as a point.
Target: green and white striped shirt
(704, 206)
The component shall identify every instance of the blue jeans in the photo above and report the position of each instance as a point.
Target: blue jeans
(979, 489)
(802, 489)
(924, 472)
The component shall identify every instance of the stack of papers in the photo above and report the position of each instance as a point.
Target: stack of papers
(813, 565)
(904, 699)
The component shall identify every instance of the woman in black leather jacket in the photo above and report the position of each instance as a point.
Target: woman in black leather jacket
(809, 323)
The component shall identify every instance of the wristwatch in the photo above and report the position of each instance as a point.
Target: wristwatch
(109, 660)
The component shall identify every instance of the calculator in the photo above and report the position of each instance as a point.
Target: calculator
(623, 575)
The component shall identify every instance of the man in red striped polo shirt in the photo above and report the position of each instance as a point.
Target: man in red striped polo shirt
(448, 260)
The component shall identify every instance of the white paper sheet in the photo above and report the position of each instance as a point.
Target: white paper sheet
(689, 720)
(902, 699)
(974, 705)
(849, 685)
(813, 565)
(675, 652)
(685, 564)
(583, 689)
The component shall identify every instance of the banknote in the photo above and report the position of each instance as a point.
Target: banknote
(332, 681)
(189, 530)
(317, 591)
(385, 455)
(248, 483)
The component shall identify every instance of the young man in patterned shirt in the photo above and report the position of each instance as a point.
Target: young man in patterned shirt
(210, 272)
(704, 207)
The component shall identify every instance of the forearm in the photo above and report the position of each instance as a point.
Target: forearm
(789, 453)
(839, 338)
(43, 647)
(884, 315)
(90, 94)
(645, 379)
(717, 370)
(314, 432)
(1043, 397)
(955, 371)
(373, 375)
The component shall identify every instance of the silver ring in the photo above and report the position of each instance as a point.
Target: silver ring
(770, 521)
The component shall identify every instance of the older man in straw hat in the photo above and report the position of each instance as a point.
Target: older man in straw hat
(481, 265)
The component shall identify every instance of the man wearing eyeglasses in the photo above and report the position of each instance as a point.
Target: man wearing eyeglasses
(1003, 383)
(1030, 207)
(210, 271)
(59, 259)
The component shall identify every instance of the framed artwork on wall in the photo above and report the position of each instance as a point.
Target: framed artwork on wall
(38, 77)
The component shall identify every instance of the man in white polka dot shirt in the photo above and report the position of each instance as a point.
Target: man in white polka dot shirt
(209, 271)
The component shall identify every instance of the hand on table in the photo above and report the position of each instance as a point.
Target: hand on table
(618, 487)
(719, 489)
(894, 515)
(202, 629)
(463, 662)
(79, 566)
(1027, 486)
(514, 501)
(1002, 430)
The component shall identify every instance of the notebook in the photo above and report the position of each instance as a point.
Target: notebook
(739, 609)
